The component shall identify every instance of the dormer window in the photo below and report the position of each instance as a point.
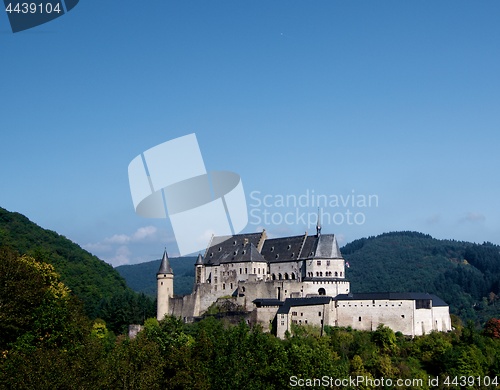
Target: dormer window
(272, 249)
(289, 247)
(220, 249)
(234, 242)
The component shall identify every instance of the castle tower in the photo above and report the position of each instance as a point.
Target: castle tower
(165, 283)
(199, 270)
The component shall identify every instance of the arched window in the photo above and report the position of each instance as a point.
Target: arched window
(321, 274)
(317, 273)
(336, 273)
(321, 291)
(274, 277)
(280, 276)
(293, 276)
(286, 276)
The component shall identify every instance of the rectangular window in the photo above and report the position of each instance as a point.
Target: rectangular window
(240, 271)
(328, 262)
(246, 271)
(319, 313)
(359, 319)
(423, 304)
(318, 262)
(254, 271)
(223, 286)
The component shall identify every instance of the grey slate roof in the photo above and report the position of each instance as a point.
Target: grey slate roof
(260, 302)
(282, 249)
(236, 254)
(245, 247)
(199, 260)
(405, 296)
(228, 249)
(165, 265)
(327, 247)
(293, 302)
(322, 300)
(309, 247)
(324, 246)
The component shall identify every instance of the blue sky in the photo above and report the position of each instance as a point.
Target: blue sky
(398, 99)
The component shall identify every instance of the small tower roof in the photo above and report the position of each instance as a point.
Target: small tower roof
(199, 260)
(165, 265)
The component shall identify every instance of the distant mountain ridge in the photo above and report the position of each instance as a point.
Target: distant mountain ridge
(465, 275)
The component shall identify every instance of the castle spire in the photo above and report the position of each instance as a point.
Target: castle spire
(165, 287)
(199, 260)
(318, 224)
(165, 265)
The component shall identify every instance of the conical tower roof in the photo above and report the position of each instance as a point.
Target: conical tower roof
(165, 265)
(199, 260)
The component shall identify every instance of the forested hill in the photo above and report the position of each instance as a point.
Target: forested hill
(101, 288)
(465, 275)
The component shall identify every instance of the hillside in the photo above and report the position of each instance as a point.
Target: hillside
(101, 288)
(465, 275)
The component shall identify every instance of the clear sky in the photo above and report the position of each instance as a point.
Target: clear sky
(395, 99)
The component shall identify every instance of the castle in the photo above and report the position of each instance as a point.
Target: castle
(293, 280)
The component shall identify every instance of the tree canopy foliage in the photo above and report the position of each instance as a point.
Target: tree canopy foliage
(48, 342)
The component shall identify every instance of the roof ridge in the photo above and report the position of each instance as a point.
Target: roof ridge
(302, 245)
